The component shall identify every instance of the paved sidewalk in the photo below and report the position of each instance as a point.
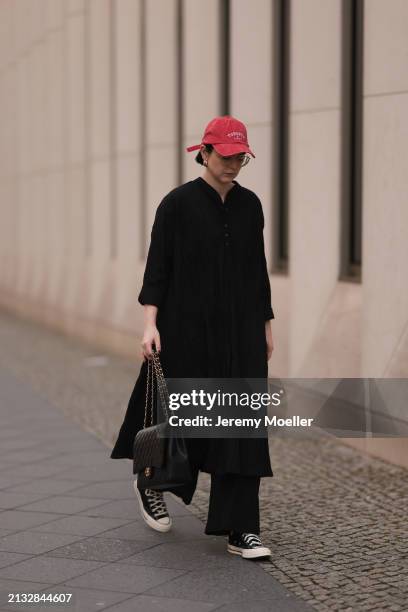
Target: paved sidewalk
(334, 518)
(69, 523)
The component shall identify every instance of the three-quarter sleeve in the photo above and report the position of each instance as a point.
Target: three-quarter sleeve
(265, 283)
(159, 259)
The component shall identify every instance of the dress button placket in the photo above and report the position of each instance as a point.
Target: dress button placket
(226, 234)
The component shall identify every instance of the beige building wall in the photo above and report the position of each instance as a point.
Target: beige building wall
(251, 97)
(385, 293)
(200, 74)
(89, 147)
(320, 315)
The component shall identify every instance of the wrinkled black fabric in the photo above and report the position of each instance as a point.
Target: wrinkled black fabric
(206, 272)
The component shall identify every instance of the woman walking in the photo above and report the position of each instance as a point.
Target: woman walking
(208, 311)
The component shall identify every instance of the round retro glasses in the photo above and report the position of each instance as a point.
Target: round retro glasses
(243, 158)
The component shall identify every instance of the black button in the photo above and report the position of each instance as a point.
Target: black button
(227, 244)
(225, 224)
(226, 234)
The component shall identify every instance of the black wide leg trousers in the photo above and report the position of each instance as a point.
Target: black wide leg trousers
(234, 499)
(234, 504)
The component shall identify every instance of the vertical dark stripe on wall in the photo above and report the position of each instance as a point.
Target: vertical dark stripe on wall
(351, 139)
(113, 131)
(180, 90)
(224, 36)
(87, 139)
(66, 165)
(142, 123)
(280, 134)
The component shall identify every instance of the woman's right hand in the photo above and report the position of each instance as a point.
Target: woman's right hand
(151, 336)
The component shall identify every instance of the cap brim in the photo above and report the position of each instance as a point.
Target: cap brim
(232, 149)
(193, 148)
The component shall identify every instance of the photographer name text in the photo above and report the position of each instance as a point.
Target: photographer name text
(205, 421)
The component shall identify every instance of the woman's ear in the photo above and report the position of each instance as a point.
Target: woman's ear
(204, 154)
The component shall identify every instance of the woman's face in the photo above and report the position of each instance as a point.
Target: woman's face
(223, 169)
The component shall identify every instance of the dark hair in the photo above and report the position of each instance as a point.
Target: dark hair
(199, 157)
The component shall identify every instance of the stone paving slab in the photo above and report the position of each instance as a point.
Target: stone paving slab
(141, 603)
(61, 504)
(185, 555)
(18, 520)
(53, 568)
(12, 499)
(125, 578)
(79, 525)
(34, 470)
(45, 486)
(235, 582)
(31, 542)
(4, 532)
(102, 549)
(8, 481)
(186, 528)
(8, 558)
(123, 509)
(109, 490)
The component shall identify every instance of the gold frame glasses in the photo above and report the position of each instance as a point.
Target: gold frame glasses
(242, 157)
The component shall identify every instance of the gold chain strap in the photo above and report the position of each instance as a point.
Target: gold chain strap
(161, 383)
(149, 377)
(154, 367)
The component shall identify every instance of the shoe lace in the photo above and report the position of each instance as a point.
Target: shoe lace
(252, 539)
(156, 501)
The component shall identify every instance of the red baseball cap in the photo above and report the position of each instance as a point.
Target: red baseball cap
(227, 135)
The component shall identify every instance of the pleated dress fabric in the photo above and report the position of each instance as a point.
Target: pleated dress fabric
(206, 272)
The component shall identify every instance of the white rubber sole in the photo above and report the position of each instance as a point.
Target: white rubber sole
(148, 519)
(255, 553)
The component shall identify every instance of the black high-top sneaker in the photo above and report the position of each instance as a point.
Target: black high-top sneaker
(153, 508)
(248, 545)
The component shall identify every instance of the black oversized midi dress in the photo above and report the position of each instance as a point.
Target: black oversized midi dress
(206, 272)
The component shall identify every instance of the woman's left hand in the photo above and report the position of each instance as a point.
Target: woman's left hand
(269, 339)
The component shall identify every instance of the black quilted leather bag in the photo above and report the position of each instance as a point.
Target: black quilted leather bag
(159, 459)
(148, 448)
